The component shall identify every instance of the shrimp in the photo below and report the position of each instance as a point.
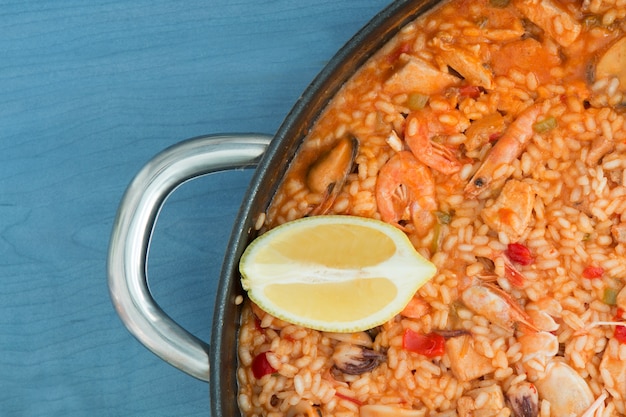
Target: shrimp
(421, 127)
(405, 190)
(505, 151)
(509, 271)
(497, 306)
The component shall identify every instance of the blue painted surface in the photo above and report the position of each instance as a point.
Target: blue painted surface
(89, 92)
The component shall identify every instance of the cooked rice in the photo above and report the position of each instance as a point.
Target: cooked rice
(577, 171)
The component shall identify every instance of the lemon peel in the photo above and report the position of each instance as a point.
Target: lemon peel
(333, 273)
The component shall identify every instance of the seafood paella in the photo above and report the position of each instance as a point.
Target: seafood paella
(492, 133)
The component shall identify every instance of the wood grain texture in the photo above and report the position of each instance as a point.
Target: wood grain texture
(89, 92)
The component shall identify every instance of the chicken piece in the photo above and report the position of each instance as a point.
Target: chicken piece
(418, 76)
(468, 407)
(613, 366)
(526, 55)
(538, 348)
(466, 363)
(467, 64)
(511, 212)
(501, 25)
(484, 130)
(465, 407)
(553, 19)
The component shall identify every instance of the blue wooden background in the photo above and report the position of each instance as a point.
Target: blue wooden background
(90, 91)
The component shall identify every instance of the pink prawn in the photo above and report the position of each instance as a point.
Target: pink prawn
(508, 148)
(405, 190)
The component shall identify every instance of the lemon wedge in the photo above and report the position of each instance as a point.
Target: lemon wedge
(333, 273)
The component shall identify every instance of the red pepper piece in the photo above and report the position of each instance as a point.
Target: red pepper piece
(519, 254)
(620, 334)
(592, 272)
(429, 345)
(261, 366)
(471, 91)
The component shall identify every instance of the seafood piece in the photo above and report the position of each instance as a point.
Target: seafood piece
(304, 409)
(418, 76)
(467, 405)
(422, 126)
(405, 190)
(327, 175)
(538, 350)
(355, 360)
(466, 63)
(511, 212)
(504, 152)
(613, 63)
(497, 306)
(552, 18)
(523, 400)
(377, 410)
(511, 273)
(614, 369)
(543, 313)
(465, 362)
(565, 390)
(483, 131)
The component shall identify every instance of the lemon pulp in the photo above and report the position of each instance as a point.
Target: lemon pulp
(333, 245)
(343, 298)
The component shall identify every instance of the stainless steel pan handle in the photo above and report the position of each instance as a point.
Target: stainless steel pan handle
(132, 230)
